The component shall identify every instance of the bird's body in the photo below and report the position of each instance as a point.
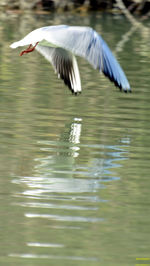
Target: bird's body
(59, 45)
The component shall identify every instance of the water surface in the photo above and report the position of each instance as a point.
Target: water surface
(74, 171)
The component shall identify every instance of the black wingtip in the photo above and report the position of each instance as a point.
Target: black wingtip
(127, 91)
(124, 90)
(76, 93)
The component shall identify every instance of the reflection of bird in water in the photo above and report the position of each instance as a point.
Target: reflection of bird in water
(81, 41)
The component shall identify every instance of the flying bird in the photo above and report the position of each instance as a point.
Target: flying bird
(60, 44)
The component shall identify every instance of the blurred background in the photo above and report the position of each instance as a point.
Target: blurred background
(135, 6)
(74, 170)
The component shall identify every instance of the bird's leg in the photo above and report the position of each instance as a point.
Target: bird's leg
(26, 51)
(29, 49)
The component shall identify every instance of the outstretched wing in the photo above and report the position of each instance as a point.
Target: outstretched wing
(84, 42)
(65, 65)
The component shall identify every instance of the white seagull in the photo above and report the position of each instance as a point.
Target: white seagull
(59, 45)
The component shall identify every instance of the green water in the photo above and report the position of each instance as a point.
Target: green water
(74, 170)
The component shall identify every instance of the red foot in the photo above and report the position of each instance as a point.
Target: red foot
(29, 49)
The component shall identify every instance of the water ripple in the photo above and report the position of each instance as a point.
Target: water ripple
(44, 245)
(39, 185)
(54, 206)
(58, 257)
(64, 218)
